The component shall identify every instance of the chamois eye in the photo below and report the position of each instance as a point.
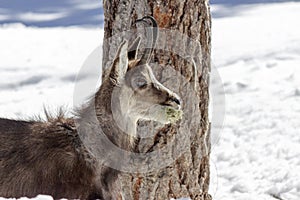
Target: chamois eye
(139, 83)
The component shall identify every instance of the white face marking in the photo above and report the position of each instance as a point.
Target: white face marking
(142, 96)
(139, 95)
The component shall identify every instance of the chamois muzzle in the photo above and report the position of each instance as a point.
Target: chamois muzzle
(173, 101)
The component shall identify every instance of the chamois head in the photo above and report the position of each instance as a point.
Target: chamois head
(137, 94)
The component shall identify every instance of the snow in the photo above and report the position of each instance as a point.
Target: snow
(257, 55)
(256, 50)
(39, 66)
(52, 13)
(39, 197)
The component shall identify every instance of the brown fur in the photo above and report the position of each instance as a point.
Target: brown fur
(44, 158)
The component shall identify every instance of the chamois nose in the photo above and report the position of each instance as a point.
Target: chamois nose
(176, 100)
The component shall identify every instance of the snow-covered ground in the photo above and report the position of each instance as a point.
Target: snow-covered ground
(39, 66)
(257, 52)
(52, 13)
(256, 49)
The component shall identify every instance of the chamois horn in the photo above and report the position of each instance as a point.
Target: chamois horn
(151, 23)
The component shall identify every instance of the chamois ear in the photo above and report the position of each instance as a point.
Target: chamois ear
(133, 49)
(133, 52)
(120, 64)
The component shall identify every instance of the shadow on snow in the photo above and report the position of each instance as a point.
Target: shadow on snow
(45, 13)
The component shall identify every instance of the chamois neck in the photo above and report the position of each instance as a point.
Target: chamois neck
(111, 124)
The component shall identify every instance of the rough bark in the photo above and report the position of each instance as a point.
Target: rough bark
(188, 176)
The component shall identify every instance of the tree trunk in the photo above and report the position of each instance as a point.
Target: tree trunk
(188, 175)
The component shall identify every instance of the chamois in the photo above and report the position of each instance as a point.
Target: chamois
(50, 158)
